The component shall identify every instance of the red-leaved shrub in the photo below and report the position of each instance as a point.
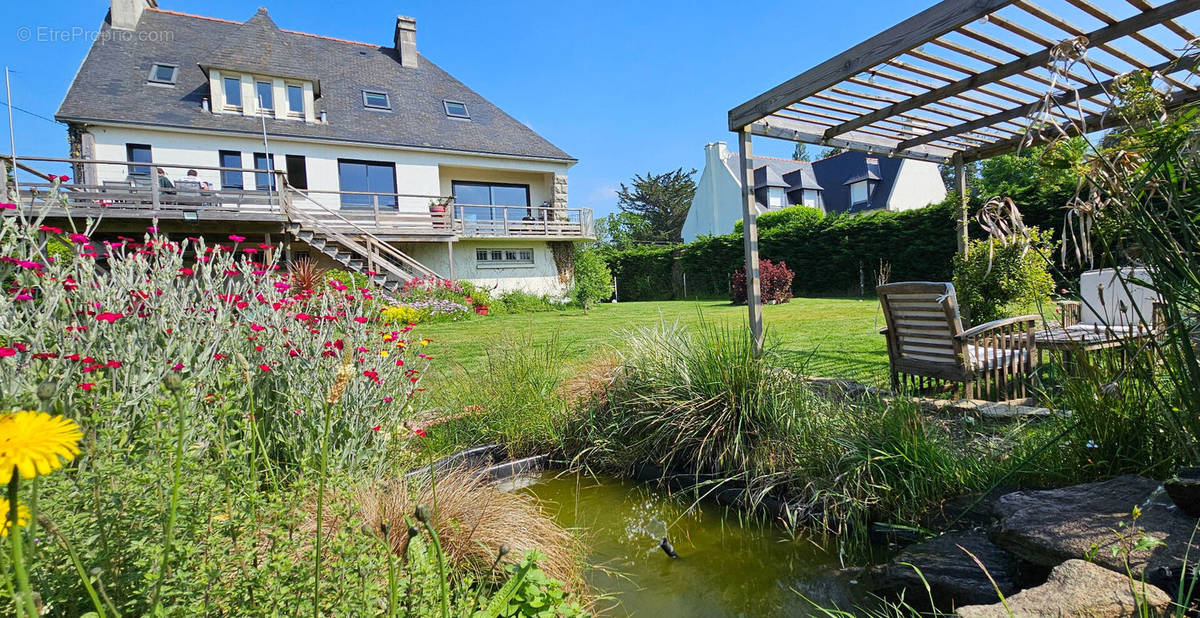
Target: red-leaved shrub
(775, 283)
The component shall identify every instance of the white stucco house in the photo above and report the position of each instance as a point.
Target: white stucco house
(849, 182)
(368, 155)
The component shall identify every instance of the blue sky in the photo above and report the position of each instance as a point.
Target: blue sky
(625, 87)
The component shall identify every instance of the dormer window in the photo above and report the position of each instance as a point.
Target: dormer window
(163, 73)
(295, 100)
(776, 197)
(860, 192)
(376, 100)
(265, 93)
(456, 109)
(233, 93)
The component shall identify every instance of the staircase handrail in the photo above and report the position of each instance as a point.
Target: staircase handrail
(291, 212)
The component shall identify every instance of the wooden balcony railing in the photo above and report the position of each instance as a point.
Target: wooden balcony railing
(385, 214)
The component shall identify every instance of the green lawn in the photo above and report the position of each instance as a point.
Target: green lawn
(834, 337)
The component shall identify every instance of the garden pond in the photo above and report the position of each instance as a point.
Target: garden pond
(729, 564)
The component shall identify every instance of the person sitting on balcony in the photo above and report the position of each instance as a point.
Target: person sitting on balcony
(163, 181)
(194, 178)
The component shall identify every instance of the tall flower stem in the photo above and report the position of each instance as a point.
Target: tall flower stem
(24, 597)
(169, 531)
(328, 411)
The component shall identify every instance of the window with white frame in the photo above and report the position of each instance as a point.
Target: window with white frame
(810, 198)
(504, 257)
(295, 100)
(265, 93)
(233, 93)
(858, 192)
(776, 197)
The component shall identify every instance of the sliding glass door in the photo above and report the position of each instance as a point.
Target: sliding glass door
(474, 200)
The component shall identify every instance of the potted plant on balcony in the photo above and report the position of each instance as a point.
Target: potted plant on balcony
(440, 204)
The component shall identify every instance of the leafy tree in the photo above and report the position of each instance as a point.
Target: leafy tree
(620, 230)
(662, 202)
(593, 281)
(994, 281)
(832, 150)
(1034, 174)
(801, 152)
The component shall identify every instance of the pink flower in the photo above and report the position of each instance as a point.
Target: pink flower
(7, 351)
(152, 229)
(376, 428)
(64, 178)
(265, 368)
(256, 328)
(109, 317)
(360, 320)
(79, 238)
(113, 364)
(177, 367)
(7, 206)
(420, 432)
(186, 272)
(236, 238)
(87, 386)
(303, 317)
(219, 356)
(51, 229)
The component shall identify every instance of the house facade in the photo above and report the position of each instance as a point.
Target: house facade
(849, 182)
(364, 155)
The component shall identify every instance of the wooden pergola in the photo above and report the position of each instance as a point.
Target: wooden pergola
(965, 80)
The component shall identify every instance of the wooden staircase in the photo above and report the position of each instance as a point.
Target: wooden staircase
(350, 245)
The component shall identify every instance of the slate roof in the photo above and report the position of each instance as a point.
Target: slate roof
(831, 175)
(837, 172)
(766, 176)
(111, 86)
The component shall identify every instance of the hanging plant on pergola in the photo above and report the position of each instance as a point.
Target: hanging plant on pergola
(965, 80)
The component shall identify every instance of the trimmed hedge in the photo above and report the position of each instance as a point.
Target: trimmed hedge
(826, 253)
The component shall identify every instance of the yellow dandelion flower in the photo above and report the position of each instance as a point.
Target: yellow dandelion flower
(22, 516)
(35, 443)
(383, 353)
(387, 337)
(425, 341)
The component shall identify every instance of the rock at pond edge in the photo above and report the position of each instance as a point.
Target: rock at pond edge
(1078, 588)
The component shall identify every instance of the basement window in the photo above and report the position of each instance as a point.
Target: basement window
(456, 109)
(498, 258)
(163, 73)
(376, 100)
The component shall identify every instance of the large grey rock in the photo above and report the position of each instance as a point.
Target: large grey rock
(952, 575)
(1051, 526)
(1078, 588)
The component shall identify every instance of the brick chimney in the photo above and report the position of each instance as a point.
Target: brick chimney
(406, 40)
(126, 13)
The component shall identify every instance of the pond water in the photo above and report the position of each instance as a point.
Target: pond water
(728, 565)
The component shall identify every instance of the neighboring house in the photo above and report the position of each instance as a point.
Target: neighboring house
(343, 148)
(850, 182)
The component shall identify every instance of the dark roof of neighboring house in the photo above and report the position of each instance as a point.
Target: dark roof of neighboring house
(837, 172)
(767, 176)
(111, 86)
(832, 176)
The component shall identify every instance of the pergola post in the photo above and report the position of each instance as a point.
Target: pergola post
(960, 185)
(750, 238)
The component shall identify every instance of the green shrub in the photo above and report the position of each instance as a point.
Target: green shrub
(792, 217)
(642, 272)
(352, 280)
(593, 281)
(993, 281)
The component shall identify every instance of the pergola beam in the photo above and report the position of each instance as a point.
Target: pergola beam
(916, 30)
(1024, 110)
(1039, 58)
(1091, 122)
(799, 131)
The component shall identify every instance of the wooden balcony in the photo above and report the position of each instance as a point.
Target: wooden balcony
(392, 217)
